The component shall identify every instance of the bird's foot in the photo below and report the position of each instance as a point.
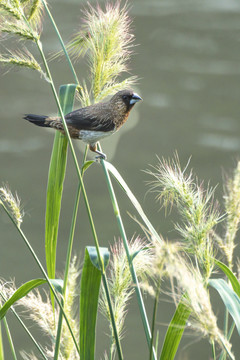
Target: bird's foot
(101, 156)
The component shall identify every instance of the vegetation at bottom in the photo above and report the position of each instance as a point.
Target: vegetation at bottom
(109, 277)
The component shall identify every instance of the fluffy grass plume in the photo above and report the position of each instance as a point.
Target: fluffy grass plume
(12, 204)
(190, 287)
(232, 207)
(195, 205)
(21, 12)
(120, 281)
(105, 36)
(21, 19)
(40, 311)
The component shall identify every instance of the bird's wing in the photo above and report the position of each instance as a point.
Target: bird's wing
(90, 118)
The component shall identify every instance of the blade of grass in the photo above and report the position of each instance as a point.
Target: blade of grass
(231, 277)
(129, 257)
(131, 197)
(90, 285)
(56, 177)
(27, 243)
(26, 329)
(174, 332)
(230, 299)
(22, 291)
(68, 259)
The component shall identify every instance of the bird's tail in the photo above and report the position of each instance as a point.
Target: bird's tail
(39, 120)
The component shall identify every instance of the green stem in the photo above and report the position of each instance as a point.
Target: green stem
(61, 41)
(118, 345)
(68, 259)
(43, 272)
(213, 350)
(154, 320)
(132, 270)
(10, 339)
(26, 329)
(223, 355)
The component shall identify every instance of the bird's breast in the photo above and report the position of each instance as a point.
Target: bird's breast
(91, 136)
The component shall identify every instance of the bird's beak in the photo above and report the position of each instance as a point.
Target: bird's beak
(135, 98)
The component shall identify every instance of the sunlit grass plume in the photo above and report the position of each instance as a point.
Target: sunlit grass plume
(20, 20)
(120, 281)
(11, 204)
(190, 287)
(40, 311)
(198, 212)
(105, 37)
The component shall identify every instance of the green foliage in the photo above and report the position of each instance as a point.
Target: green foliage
(90, 285)
(19, 293)
(56, 177)
(175, 332)
(230, 299)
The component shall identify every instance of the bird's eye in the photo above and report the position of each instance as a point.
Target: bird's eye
(125, 97)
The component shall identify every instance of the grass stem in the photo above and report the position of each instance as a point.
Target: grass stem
(14, 355)
(131, 267)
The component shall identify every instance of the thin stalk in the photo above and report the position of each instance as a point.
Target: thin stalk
(68, 259)
(26, 329)
(61, 41)
(223, 355)
(213, 350)
(131, 267)
(118, 345)
(154, 320)
(10, 339)
(44, 274)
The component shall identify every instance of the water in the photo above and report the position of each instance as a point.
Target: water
(188, 62)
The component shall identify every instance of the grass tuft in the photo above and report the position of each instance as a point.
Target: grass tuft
(106, 38)
(12, 203)
(120, 280)
(199, 214)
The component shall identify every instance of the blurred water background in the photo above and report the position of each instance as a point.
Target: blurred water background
(188, 61)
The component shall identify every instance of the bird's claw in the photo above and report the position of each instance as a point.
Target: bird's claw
(101, 156)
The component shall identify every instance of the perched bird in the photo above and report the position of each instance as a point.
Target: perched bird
(92, 123)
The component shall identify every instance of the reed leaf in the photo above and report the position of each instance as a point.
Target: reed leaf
(231, 277)
(19, 293)
(132, 198)
(55, 182)
(175, 332)
(230, 299)
(90, 285)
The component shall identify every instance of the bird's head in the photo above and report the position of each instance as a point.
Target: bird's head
(125, 99)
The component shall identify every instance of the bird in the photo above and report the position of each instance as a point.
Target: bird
(95, 122)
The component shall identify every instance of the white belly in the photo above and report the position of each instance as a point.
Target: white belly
(91, 137)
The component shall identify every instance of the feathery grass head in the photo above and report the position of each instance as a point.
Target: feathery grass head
(195, 205)
(22, 13)
(106, 38)
(120, 280)
(41, 312)
(232, 207)
(170, 261)
(21, 19)
(22, 59)
(12, 205)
